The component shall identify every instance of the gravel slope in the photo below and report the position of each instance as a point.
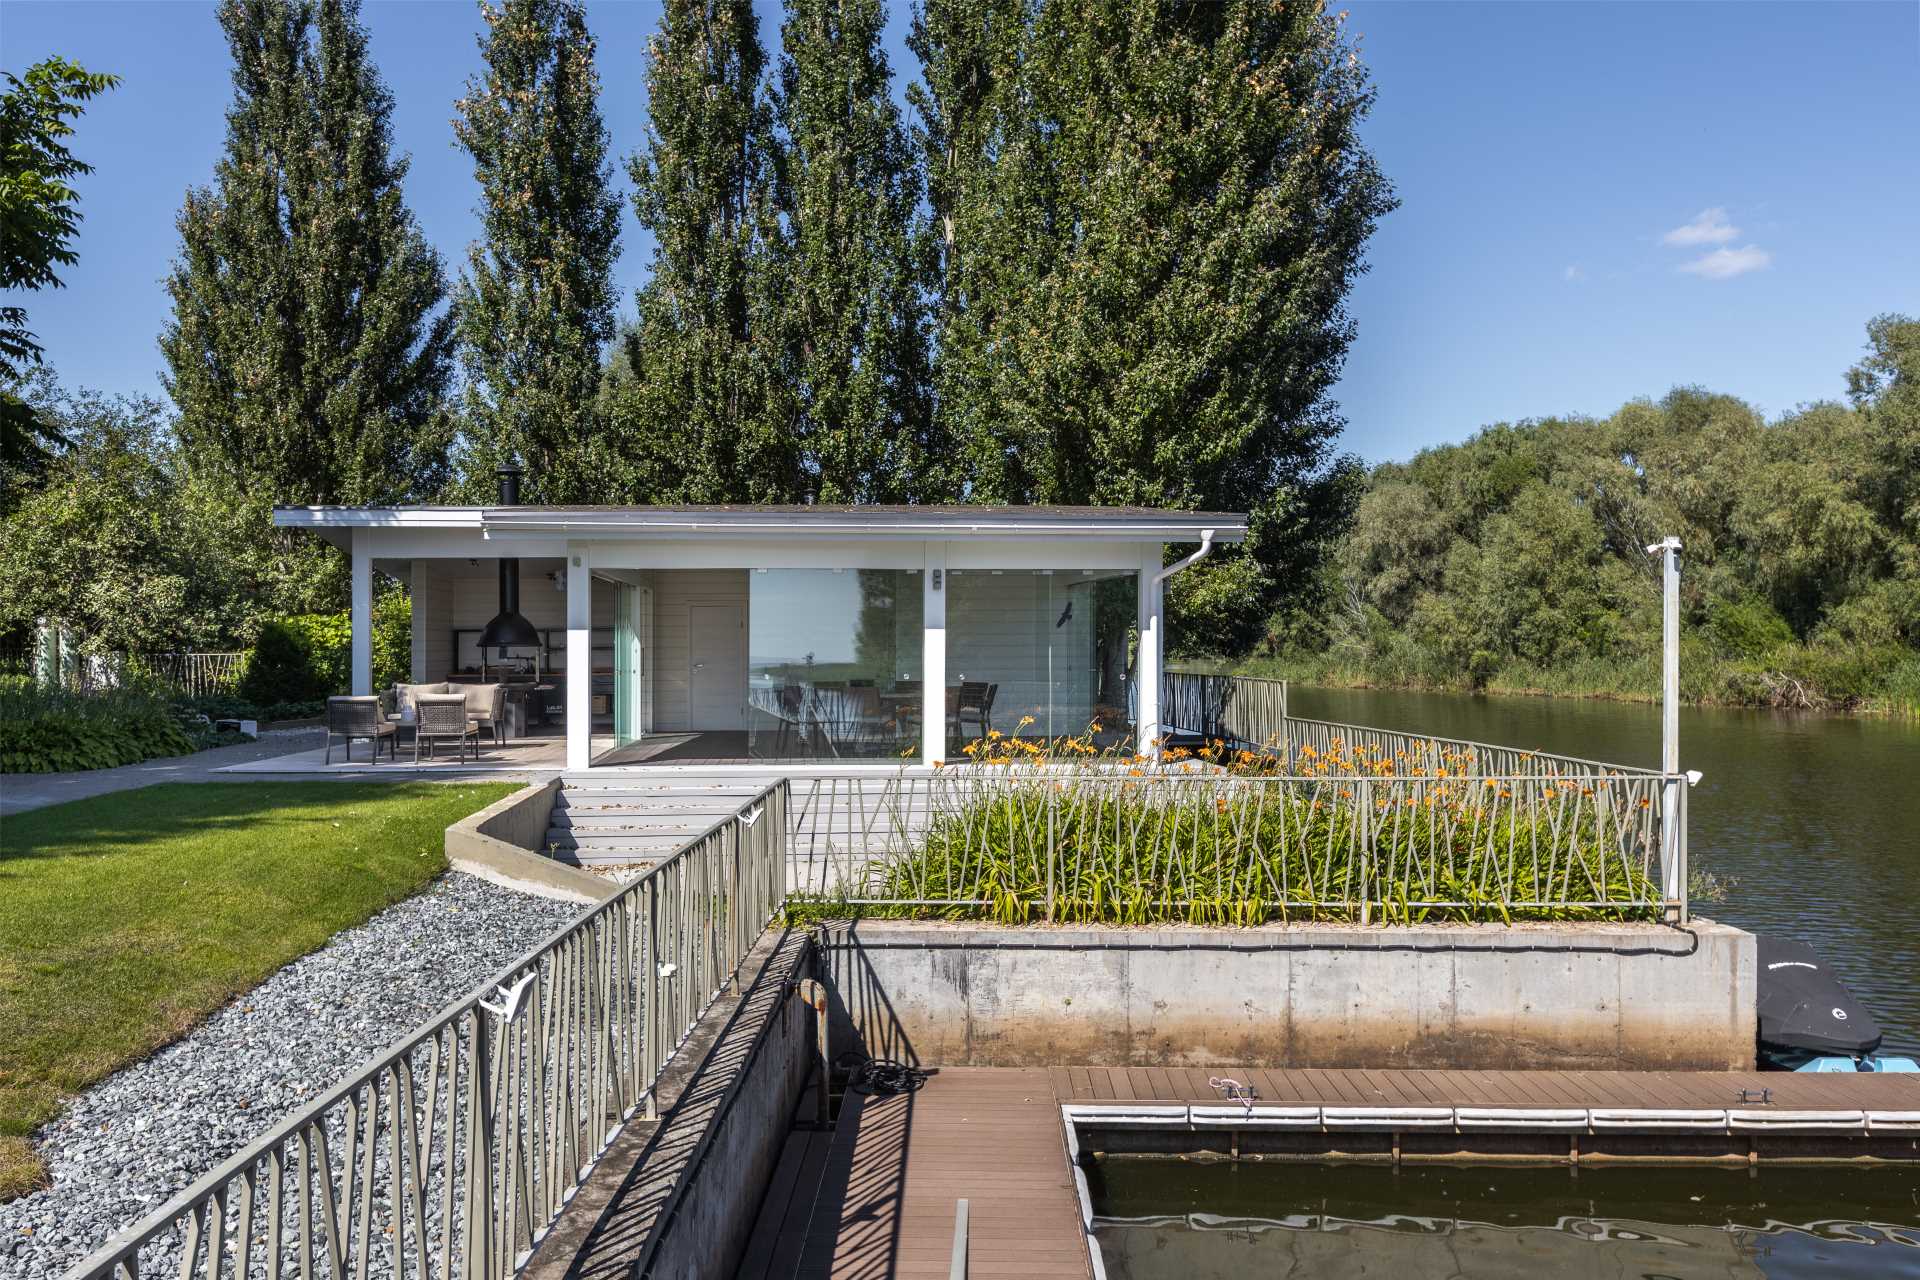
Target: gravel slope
(122, 1148)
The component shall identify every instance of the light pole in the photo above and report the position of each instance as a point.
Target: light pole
(1673, 853)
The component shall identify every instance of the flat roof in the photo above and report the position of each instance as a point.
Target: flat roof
(945, 521)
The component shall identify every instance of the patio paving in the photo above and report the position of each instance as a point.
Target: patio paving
(20, 792)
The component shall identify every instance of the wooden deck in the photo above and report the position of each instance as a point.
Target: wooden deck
(1647, 1090)
(875, 1198)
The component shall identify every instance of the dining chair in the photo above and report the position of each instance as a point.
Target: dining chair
(439, 717)
(356, 718)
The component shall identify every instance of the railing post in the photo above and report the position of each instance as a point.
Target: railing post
(1363, 834)
(651, 1018)
(1052, 849)
(957, 1268)
(1286, 734)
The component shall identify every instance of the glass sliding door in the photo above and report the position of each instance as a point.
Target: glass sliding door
(1045, 654)
(632, 674)
(833, 664)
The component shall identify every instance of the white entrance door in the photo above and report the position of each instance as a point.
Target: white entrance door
(717, 675)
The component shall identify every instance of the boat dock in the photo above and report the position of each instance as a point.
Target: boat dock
(876, 1196)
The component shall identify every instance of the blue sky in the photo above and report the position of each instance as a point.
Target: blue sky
(1598, 201)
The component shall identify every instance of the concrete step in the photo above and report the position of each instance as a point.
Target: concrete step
(659, 846)
(623, 816)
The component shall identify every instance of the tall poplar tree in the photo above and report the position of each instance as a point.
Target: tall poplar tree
(856, 305)
(1176, 205)
(309, 350)
(535, 308)
(969, 116)
(707, 411)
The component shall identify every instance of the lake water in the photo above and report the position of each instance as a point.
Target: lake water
(1425, 1222)
(1815, 819)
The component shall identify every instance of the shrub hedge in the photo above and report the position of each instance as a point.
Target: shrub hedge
(53, 731)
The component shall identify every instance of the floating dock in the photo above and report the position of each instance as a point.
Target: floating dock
(876, 1196)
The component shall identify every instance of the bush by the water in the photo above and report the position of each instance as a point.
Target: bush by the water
(54, 731)
(1515, 562)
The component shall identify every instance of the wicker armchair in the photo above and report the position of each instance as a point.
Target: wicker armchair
(442, 716)
(487, 708)
(354, 718)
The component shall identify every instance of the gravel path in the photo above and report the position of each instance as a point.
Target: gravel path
(130, 1142)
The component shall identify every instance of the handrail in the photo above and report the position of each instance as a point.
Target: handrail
(526, 1079)
(1251, 712)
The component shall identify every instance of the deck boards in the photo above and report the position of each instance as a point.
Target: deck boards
(1332, 1087)
(895, 1166)
(990, 1135)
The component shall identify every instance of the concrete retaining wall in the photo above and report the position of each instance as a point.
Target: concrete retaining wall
(1628, 997)
(501, 843)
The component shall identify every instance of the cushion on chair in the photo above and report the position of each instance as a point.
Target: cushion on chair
(480, 699)
(405, 694)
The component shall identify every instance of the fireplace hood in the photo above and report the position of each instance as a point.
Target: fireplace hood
(508, 628)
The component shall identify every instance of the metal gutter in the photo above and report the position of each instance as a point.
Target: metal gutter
(680, 522)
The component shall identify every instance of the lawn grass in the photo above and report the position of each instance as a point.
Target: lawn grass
(125, 919)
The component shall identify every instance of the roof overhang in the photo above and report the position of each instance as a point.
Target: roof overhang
(1114, 524)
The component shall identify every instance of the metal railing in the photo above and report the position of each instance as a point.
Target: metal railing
(1249, 712)
(1198, 844)
(448, 1154)
(198, 674)
(192, 674)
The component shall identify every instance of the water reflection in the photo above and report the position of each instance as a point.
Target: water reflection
(1432, 1221)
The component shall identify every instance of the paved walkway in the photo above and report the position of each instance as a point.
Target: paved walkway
(20, 792)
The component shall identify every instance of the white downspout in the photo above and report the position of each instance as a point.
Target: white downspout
(1152, 658)
(1181, 566)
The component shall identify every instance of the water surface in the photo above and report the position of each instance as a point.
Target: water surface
(1815, 818)
(1174, 1220)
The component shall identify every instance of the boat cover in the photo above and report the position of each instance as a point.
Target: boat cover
(1804, 1008)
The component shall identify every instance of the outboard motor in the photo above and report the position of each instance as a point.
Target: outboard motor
(1809, 1021)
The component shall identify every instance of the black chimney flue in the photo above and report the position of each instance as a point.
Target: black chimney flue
(508, 628)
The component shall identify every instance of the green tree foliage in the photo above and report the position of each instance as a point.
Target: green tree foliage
(111, 544)
(308, 352)
(536, 305)
(855, 315)
(1152, 242)
(1517, 558)
(39, 215)
(707, 411)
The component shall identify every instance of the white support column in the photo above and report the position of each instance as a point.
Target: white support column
(579, 656)
(361, 666)
(417, 588)
(1150, 661)
(933, 656)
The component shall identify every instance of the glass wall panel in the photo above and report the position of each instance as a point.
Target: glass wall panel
(1052, 648)
(833, 664)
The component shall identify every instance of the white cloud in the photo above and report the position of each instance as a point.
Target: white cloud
(1725, 264)
(1573, 274)
(1710, 227)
